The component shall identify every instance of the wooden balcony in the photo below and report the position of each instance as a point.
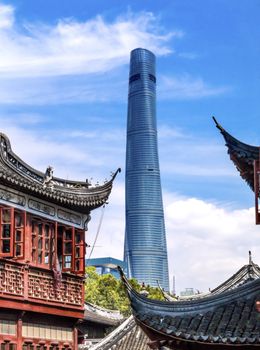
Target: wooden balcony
(32, 288)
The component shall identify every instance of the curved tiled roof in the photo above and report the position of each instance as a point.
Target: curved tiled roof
(77, 195)
(101, 315)
(241, 154)
(226, 319)
(248, 272)
(128, 336)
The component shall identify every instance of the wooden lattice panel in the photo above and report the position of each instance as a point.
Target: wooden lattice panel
(42, 286)
(11, 279)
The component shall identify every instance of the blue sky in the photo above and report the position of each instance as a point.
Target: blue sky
(63, 101)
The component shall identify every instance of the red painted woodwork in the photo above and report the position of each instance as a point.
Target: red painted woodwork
(42, 265)
(257, 304)
(41, 242)
(37, 285)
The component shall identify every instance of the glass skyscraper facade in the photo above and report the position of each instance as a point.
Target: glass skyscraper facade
(145, 243)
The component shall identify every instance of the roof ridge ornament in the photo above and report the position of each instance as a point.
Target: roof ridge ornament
(48, 176)
(217, 124)
(250, 258)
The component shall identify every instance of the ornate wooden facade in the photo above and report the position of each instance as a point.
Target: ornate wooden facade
(43, 220)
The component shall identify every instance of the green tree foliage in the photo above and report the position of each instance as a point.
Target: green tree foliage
(108, 292)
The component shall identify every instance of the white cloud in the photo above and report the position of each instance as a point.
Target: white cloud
(62, 89)
(37, 60)
(167, 132)
(68, 62)
(188, 155)
(65, 149)
(187, 87)
(98, 149)
(110, 240)
(72, 47)
(207, 242)
(6, 16)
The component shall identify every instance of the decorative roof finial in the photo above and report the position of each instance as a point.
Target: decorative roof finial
(250, 258)
(47, 181)
(217, 124)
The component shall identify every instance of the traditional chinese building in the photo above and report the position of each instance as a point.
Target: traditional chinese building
(97, 323)
(226, 318)
(246, 159)
(43, 220)
(128, 336)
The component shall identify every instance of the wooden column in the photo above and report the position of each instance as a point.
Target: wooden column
(19, 332)
(27, 239)
(75, 338)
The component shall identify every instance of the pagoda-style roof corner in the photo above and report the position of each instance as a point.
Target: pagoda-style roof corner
(225, 319)
(81, 196)
(241, 154)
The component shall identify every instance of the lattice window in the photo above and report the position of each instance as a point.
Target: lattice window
(67, 258)
(7, 327)
(71, 249)
(79, 254)
(43, 236)
(19, 227)
(6, 234)
(12, 232)
(34, 330)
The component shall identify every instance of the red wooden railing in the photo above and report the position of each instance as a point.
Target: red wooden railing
(32, 284)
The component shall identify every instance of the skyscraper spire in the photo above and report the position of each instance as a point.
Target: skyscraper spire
(145, 242)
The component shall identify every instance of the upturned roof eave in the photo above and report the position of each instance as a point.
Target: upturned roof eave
(242, 155)
(158, 316)
(14, 172)
(188, 306)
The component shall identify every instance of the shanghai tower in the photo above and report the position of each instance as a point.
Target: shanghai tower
(145, 242)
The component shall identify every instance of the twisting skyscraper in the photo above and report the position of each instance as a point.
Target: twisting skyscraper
(145, 242)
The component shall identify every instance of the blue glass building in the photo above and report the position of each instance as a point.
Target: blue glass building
(106, 265)
(145, 243)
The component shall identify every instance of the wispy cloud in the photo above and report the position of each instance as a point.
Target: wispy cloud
(62, 89)
(188, 55)
(73, 154)
(187, 87)
(99, 148)
(69, 62)
(189, 155)
(73, 47)
(167, 132)
(6, 16)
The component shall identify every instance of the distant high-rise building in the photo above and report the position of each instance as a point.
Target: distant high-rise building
(106, 265)
(173, 285)
(145, 243)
